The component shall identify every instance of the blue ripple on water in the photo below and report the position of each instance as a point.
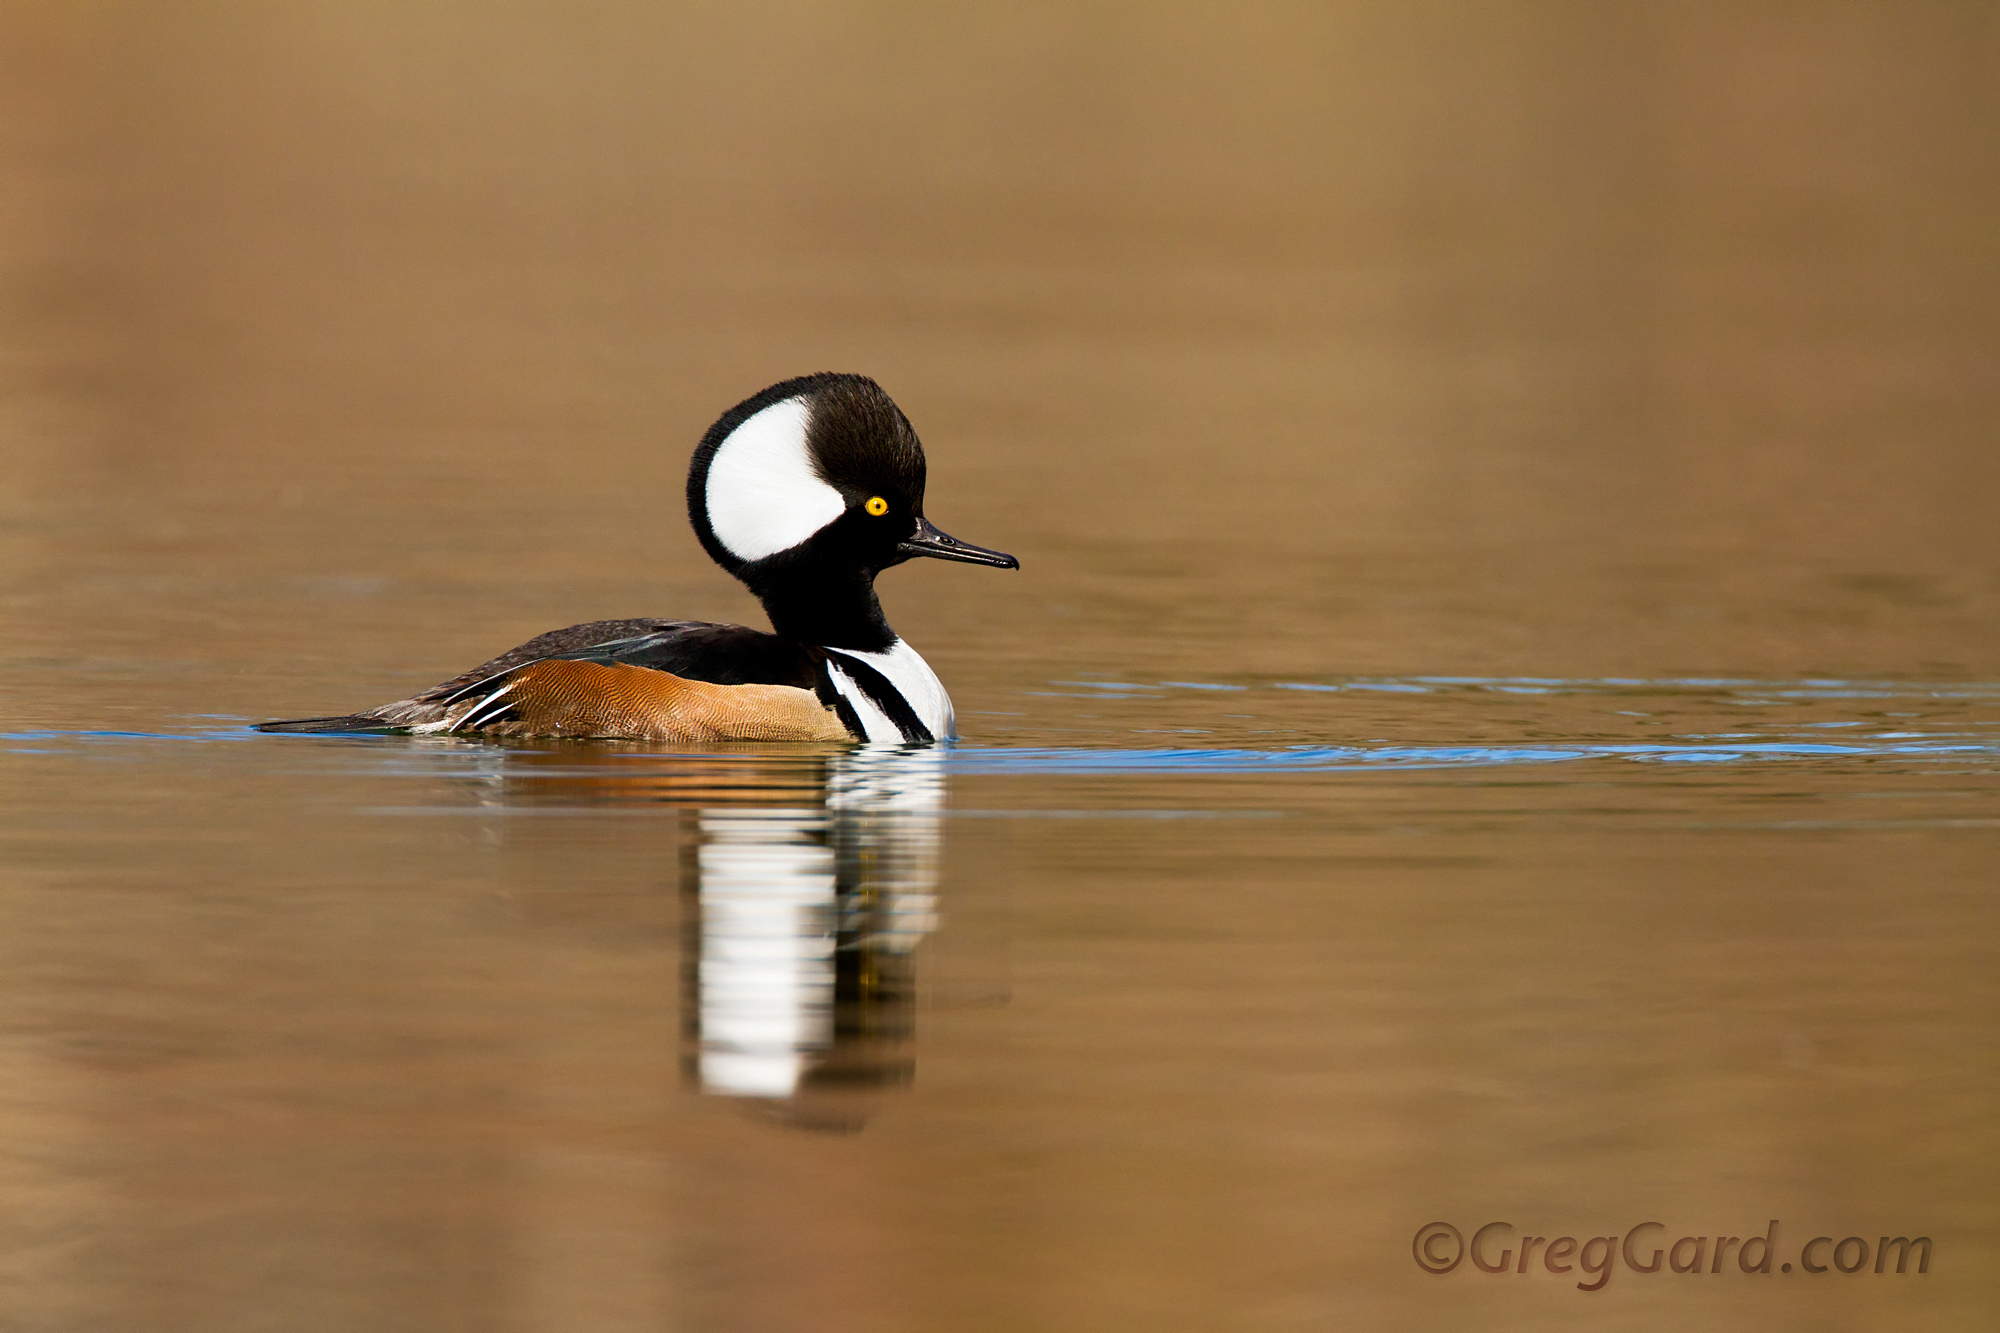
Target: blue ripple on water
(1318, 758)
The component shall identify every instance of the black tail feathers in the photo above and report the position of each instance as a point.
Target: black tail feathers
(323, 726)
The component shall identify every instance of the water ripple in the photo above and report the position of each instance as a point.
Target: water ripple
(1322, 758)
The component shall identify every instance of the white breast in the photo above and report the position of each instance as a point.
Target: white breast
(913, 679)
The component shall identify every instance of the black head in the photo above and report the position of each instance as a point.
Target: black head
(806, 492)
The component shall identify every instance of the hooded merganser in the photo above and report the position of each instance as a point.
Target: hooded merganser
(805, 492)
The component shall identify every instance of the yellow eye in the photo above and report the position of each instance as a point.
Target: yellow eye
(876, 505)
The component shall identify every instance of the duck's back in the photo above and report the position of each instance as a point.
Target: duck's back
(692, 649)
(678, 679)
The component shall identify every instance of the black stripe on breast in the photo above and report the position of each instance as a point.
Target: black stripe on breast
(830, 695)
(884, 695)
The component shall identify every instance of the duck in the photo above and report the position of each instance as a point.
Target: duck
(805, 493)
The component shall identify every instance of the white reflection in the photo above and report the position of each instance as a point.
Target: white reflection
(767, 939)
(806, 920)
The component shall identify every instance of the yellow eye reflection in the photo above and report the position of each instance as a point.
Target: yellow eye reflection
(876, 505)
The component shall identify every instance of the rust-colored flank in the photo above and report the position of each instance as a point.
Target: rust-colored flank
(568, 698)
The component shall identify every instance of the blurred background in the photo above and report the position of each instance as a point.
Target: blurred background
(345, 345)
(1545, 338)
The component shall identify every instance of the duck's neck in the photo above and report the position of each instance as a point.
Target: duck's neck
(835, 608)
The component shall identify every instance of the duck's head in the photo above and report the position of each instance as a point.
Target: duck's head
(806, 492)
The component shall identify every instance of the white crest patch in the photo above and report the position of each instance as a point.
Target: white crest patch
(763, 495)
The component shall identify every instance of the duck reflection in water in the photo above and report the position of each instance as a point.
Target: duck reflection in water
(807, 882)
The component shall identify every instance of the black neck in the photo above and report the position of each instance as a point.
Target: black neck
(832, 607)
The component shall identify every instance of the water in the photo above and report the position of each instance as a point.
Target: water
(1498, 722)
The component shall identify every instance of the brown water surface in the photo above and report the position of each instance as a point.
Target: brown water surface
(1497, 721)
